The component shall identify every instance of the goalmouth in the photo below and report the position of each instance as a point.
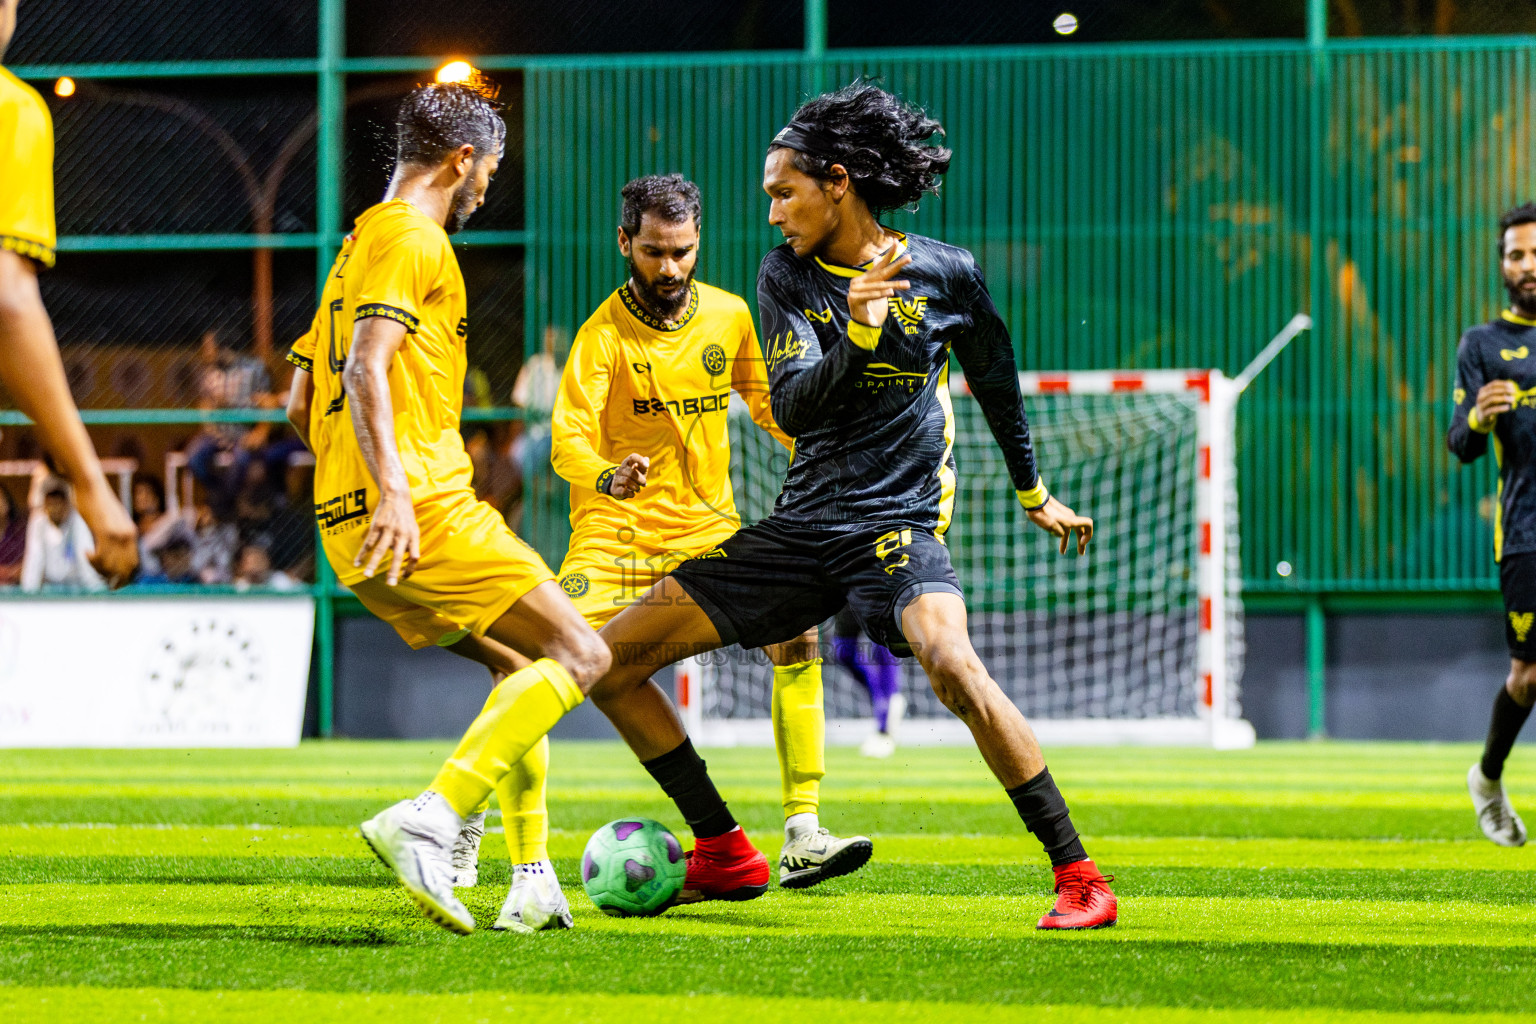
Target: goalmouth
(1138, 642)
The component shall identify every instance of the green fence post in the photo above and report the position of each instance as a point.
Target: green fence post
(816, 41)
(1317, 662)
(331, 109)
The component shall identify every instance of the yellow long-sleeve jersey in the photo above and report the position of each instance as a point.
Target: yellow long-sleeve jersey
(26, 171)
(634, 384)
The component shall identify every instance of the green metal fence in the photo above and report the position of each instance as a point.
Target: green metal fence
(1133, 206)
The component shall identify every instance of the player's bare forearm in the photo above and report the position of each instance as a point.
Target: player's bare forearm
(33, 372)
(392, 533)
(375, 342)
(301, 393)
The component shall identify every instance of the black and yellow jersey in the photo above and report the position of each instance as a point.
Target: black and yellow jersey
(874, 430)
(1503, 349)
(26, 172)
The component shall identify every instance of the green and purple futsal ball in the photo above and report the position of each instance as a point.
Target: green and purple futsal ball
(633, 867)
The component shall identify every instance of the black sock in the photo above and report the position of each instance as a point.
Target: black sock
(1508, 717)
(682, 776)
(1045, 814)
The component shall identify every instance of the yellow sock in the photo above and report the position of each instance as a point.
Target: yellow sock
(800, 734)
(524, 813)
(519, 712)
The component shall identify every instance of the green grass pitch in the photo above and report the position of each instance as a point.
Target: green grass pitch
(1293, 882)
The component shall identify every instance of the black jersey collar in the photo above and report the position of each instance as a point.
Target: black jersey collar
(640, 313)
(842, 271)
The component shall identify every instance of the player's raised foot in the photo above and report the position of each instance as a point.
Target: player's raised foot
(466, 852)
(414, 839)
(1083, 898)
(878, 744)
(724, 867)
(816, 855)
(1497, 818)
(535, 902)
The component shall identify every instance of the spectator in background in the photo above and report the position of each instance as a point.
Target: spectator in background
(13, 540)
(174, 561)
(228, 380)
(534, 392)
(148, 507)
(213, 545)
(59, 545)
(291, 530)
(253, 568)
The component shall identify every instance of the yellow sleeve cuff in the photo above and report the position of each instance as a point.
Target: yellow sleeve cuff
(1477, 424)
(1035, 497)
(863, 335)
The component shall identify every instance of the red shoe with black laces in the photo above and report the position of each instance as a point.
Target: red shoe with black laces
(724, 867)
(1083, 898)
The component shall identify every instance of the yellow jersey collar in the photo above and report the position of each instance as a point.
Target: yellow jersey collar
(640, 313)
(842, 271)
(1516, 318)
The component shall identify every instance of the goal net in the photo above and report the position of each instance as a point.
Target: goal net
(1140, 641)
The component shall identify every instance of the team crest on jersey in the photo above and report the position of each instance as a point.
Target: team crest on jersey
(1522, 622)
(575, 584)
(1515, 353)
(909, 312)
(1459, 395)
(714, 360)
(825, 316)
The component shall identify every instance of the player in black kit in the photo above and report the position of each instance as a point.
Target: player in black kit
(1496, 400)
(858, 324)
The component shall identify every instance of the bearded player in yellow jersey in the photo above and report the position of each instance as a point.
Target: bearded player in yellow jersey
(30, 367)
(640, 429)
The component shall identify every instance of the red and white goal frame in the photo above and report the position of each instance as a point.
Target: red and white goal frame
(1214, 724)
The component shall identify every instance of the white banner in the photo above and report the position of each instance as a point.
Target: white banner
(161, 672)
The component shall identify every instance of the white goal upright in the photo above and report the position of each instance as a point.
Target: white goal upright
(1139, 641)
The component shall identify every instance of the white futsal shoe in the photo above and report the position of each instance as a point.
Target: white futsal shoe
(466, 852)
(816, 855)
(535, 902)
(414, 839)
(1498, 819)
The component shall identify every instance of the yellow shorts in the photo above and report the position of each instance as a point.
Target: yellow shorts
(472, 569)
(603, 580)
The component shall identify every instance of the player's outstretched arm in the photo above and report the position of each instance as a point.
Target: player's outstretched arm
(985, 352)
(1479, 401)
(31, 370)
(392, 533)
(301, 394)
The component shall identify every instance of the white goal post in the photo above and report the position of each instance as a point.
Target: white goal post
(1141, 642)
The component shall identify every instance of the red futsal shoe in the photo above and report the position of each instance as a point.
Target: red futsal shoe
(724, 867)
(1083, 898)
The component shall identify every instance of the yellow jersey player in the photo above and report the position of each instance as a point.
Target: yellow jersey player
(30, 367)
(640, 429)
(377, 396)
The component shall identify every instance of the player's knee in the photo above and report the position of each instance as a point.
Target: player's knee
(955, 673)
(1521, 683)
(794, 652)
(584, 656)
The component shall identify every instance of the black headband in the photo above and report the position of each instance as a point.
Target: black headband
(805, 138)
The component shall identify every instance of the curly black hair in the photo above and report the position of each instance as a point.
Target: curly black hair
(881, 141)
(671, 197)
(1525, 213)
(434, 120)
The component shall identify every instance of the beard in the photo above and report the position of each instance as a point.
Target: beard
(1520, 297)
(465, 202)
(667, 307)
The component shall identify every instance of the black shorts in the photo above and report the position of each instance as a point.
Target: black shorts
(772, 581)
(1517, 579)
